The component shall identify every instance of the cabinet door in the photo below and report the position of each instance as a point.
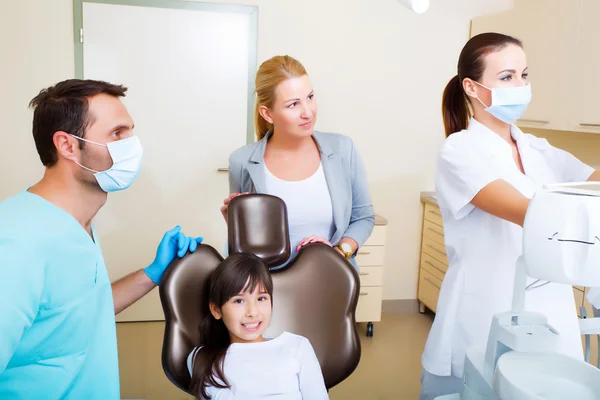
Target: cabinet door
(548, 30)
(585, 104)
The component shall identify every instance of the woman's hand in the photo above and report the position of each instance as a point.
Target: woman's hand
(312, 239)
(226, 203)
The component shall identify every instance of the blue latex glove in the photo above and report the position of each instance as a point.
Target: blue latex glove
(174, 243)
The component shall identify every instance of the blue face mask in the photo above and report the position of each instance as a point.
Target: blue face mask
(127, 161)
(508, 103)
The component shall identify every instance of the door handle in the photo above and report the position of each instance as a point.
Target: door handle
(535, 121)
(436, 249)
(435, 213)
(434, 231)
(590, 125)
(433, 266)
(432, 282)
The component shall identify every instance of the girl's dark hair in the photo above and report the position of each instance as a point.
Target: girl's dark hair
(238, 273)
(455, 103)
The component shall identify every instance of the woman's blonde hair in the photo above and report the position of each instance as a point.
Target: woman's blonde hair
(269, 75)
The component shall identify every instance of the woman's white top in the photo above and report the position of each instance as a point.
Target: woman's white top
(308, 205)
(283, 368)
(483, 249)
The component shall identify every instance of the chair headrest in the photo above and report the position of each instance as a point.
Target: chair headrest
(258, 224)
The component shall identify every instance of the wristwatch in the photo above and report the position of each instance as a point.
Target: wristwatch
(346, 249)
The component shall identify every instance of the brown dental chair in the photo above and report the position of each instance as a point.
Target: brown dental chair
(315, 295)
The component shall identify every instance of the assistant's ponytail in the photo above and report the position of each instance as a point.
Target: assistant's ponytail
(455, 107)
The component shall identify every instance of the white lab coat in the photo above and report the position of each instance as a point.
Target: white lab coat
(483, 249)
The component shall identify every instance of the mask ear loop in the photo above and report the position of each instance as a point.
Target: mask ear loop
(86, 168)
(88, 141)
(478, 99)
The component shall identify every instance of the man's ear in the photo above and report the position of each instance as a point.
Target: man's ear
(265, 113)
(215, 311)
(66, 145)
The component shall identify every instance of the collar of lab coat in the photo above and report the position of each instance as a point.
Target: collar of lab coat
(486, 134)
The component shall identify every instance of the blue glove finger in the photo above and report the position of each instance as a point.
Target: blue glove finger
(173, 232)
(193, 245)
(184, 242)
(180, 240)
(197, 241)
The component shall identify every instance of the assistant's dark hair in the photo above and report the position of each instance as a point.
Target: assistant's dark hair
(471, 64)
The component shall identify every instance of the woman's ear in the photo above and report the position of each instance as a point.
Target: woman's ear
(469, 87)
(215, 311)
(265, 113)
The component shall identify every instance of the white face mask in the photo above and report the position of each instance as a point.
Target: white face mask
(508, 103)
(127, 161)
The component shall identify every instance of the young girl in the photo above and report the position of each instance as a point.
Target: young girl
(235, 361)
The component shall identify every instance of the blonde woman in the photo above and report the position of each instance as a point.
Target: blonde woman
(320, 176)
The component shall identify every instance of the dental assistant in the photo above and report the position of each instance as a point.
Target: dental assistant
(487, 172)
(57, 306)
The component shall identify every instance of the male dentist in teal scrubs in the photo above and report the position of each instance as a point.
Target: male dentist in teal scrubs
(57, 306)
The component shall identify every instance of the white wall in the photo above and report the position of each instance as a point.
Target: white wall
(36, 42)
(378, 71)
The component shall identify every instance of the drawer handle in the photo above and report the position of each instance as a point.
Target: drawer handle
(592, 125)
(435, 213)
(363, 273)
(436, 249)
(537, 121)
(364, 252)
(222, 169)
(433, 265)
(432, 282)
(434, 231)
(363, 293)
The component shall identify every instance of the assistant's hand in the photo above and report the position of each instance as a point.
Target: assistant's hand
(225, 205)
(174, 243)
(312, 239)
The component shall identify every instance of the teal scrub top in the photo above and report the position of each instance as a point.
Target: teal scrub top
(57, 322)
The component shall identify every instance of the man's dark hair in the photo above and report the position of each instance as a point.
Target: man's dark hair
(64, 107)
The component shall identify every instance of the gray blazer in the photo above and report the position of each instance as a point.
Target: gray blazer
(353, 213)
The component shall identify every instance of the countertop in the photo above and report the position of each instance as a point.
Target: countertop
(379, 220)
(429, 197)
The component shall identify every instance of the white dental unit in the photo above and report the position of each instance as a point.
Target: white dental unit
(561, 243)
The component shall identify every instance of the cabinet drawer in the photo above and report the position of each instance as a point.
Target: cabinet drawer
(369, 304)
(429, 289)
(435, 250)
(370, 256)
(433, 266)
(371, 276)
(433, 231)
(377, 237)
(433, 214)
